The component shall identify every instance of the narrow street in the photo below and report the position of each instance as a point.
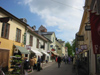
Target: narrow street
(65, 69)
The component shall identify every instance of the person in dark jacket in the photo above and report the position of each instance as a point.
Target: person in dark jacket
(26, 65)
(59, 61)
(38, 63)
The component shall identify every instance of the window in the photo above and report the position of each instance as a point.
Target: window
(44, 45)
(37, 43)
(5, 30)
(18, 35)
(31, 40)
(53, 39)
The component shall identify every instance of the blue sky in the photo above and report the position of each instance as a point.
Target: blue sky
(60, 16)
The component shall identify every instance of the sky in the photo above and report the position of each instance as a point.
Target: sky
(60, 16)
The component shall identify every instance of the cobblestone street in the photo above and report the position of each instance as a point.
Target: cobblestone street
(52, 69)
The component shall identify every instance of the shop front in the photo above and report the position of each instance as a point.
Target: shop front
(84, 61)
(45, 56)
(54, 55)
(18, 50)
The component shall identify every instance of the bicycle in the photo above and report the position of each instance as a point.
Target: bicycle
(1, 71)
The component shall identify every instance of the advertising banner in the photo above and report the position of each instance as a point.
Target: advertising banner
(95, 32)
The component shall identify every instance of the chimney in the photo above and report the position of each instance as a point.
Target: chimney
(34, 27)
(24, 20)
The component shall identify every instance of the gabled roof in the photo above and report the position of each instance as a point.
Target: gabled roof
(47, 38)
(36, 33)
(42, 27)
(61, 41)
(12, 16)
(47, 33)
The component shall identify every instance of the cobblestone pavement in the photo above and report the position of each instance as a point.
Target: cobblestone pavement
(52, 69)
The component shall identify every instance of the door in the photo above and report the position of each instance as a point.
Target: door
(4, 57)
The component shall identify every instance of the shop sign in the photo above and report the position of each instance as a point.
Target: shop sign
(52, 49)
(80, 37)
(28, 47)
(15, 50)
(24, 38)
(79, 50)
(87, 27)
(76, 49)
(51, 45)
(84, 47)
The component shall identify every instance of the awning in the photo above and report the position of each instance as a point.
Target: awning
(45, 53)
(37, 52)
(55, 53)
(22, 50)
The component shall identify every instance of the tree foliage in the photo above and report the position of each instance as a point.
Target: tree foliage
(71, 47)
(68, 45)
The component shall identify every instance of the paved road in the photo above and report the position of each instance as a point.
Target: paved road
(54, 70)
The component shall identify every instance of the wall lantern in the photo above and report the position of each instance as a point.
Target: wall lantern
(87, 27)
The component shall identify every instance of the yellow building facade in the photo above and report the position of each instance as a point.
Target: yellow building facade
(11, 33)
(87, 55)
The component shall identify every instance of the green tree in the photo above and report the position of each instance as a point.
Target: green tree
(68, 45)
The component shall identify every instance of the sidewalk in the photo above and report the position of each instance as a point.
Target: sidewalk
(44, 65)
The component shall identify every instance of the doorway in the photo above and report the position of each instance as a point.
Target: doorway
(4, 57)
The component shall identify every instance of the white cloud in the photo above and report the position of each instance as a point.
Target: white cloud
(65, 14)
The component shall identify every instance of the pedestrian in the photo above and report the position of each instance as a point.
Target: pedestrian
(69, 59)
(35, 62)
(59, 61)
(32, 62)
(65, 59)
(38, 63)
(26, 65)
(78, 63)
(74, 63)
(72, 59)
(56, 59)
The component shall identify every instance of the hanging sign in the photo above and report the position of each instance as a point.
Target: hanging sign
(87, 27)
(84, 47)
(28, 47)
(95, 32)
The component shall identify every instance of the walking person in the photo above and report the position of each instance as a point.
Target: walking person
(38, 63)
(65, 59)
(74, 63)
(56, 59)
(69, 59)
(35, 63)
(32, 62)
(59, 61)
